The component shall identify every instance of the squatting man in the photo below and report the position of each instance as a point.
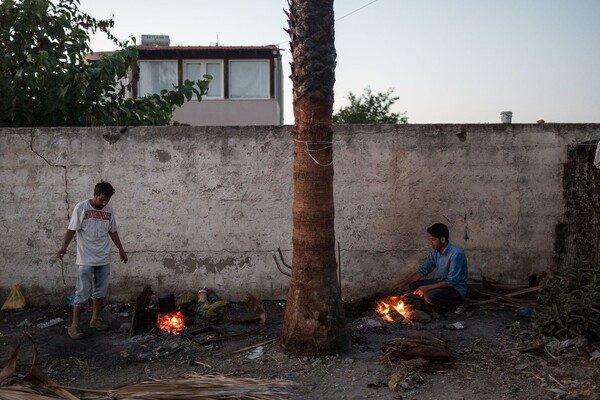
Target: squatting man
(446, 292)
(93, 222)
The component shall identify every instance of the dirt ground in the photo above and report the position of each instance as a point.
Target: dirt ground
(490, 357)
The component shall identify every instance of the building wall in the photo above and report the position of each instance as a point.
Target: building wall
(208, 206)
(229, 112)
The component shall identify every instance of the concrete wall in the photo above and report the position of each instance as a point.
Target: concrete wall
(207, 206)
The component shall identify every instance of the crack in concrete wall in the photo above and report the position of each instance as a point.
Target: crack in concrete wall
(64, 167)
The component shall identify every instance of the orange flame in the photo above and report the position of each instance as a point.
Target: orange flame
(384, 306)
(172, 323)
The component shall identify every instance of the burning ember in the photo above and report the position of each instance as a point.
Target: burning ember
(171, 323)
(391, 309)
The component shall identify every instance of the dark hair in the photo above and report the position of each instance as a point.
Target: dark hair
(439, 231)
(104, 188)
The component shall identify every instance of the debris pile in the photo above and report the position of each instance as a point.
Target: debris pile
(487, 292)
(37, 385)
(410, 357)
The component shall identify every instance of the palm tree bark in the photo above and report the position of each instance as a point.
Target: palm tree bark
(314, 322)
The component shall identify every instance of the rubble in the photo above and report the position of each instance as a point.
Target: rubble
(526, 368)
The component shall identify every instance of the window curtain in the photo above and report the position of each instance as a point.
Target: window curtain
(156, 76)
(214, 89)
(195, 72)
(249, 79)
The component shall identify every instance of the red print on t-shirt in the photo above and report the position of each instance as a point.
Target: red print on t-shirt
(96, 214)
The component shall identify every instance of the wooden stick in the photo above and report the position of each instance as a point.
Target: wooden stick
(254, 345)
(507, 296)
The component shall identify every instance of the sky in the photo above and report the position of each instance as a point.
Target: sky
(448, 61)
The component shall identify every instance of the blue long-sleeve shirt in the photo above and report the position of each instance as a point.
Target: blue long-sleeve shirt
(451, 267)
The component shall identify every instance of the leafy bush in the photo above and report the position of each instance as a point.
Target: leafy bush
(569, 304)
(370, 108)
(47, 80)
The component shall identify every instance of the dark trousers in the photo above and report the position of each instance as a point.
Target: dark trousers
(445, 299)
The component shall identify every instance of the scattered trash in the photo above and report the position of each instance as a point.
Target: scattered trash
(52, 322)
(256, 353)
(555, 346)
(455, 326)
(202, 295)
(185, 298)
(558, 392)
(15, 300)
(24, 324)
(209, 310)
(521, 367)
(594, 355)
(565, 344)
(394, 381)
(552, 344)
(405, 381)
(456, 313)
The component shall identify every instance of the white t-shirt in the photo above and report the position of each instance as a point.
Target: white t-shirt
(92, 227)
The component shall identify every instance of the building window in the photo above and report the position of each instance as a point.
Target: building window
(249, 79)
(194, 70)
(156, 76)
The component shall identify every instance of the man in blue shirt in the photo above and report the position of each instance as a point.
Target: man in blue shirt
(447, 291)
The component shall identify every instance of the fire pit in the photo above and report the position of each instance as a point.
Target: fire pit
(170, 320)
(391, 309)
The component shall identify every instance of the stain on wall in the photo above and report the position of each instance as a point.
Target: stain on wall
(163, 156)
(578, 236)
(188, 263)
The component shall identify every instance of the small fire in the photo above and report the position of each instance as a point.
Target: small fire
(172, 323)
(390, 305)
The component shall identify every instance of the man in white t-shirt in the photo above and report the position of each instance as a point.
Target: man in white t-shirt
(94, 222)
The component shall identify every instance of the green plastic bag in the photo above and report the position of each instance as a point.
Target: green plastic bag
(15, 299)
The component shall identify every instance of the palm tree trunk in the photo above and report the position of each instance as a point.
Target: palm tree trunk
(314, 321)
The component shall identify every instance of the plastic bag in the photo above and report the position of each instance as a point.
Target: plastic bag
(15, 299)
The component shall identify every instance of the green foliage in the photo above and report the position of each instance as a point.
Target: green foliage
(569, 304)
(46, 80)
(370, 108)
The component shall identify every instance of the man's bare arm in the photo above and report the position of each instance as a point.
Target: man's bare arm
(421, 290)
(117, 241)
(69, 235)
(415, 276)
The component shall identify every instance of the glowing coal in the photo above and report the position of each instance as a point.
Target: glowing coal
(171, 323)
